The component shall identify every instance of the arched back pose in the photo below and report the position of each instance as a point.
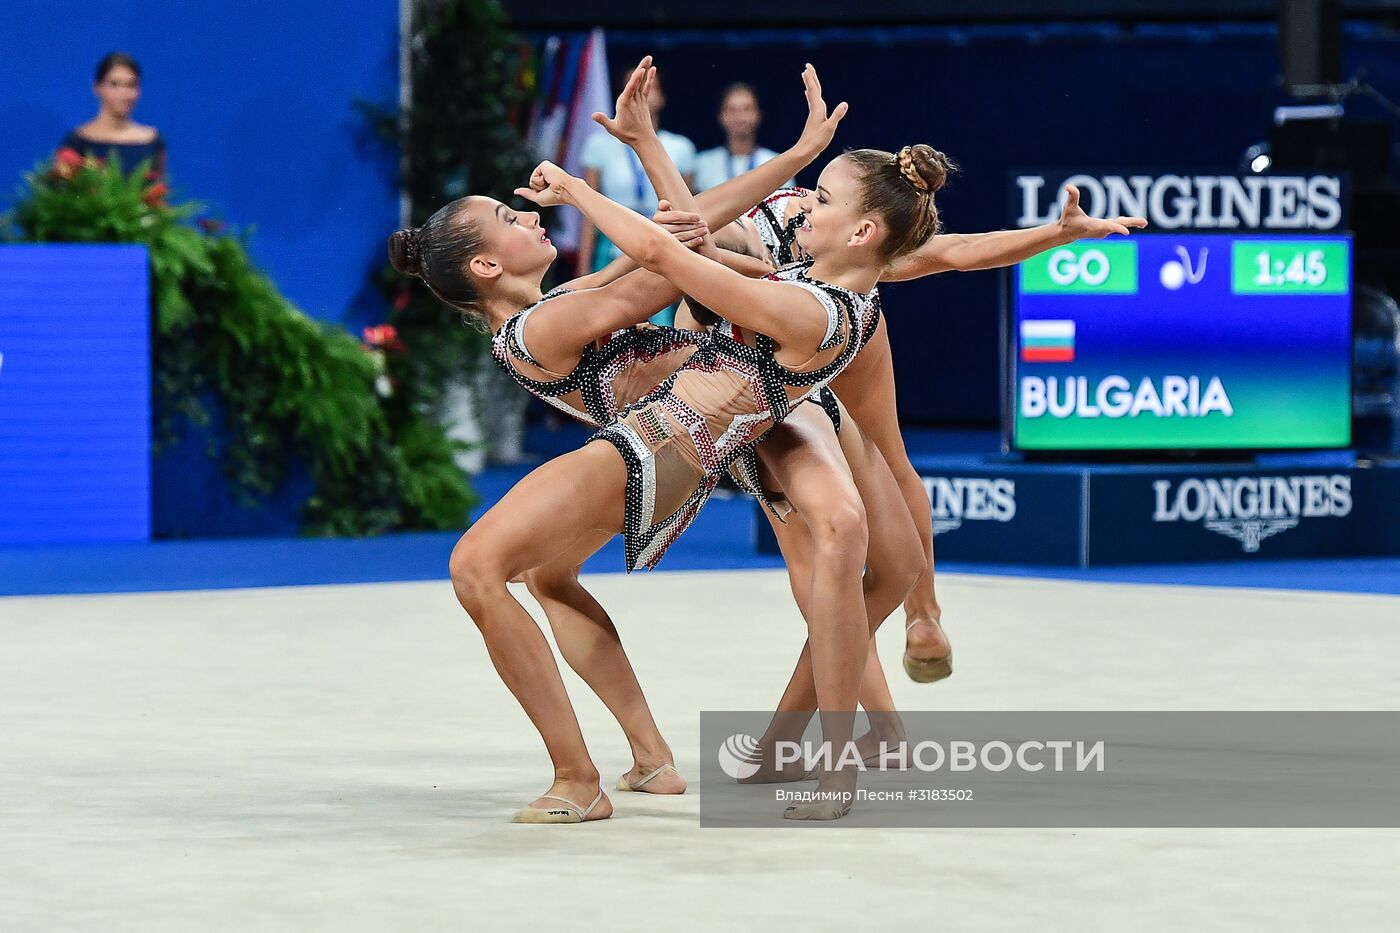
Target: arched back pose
(615, 372)
(805, 447)
(664, 457)
(765, 340)
(769, 231)
(810, 442)
(796, 336)
(605, 376)
(867, 385)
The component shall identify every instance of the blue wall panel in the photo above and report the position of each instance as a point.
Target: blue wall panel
(75, 394)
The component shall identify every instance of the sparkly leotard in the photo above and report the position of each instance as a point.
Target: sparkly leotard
(719, 394)
(777, 218)
(612, 373)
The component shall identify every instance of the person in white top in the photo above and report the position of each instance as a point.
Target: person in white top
(740, 115)
(613, 169)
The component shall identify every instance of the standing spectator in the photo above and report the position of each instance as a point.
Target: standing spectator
(740, 116)
(612, 168)
(112, 133)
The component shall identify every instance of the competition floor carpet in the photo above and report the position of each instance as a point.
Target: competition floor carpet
(344, 757)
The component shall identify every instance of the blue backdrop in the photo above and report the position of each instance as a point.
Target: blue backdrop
(255, 100)
(995, 98)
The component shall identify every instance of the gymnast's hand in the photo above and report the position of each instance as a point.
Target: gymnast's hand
(1077, 225)
(548, 186)
(820, 128)
(633, 120)
(686, 226)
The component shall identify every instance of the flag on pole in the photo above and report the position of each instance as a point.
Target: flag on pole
(573, 84)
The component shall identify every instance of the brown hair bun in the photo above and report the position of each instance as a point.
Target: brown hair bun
(403, 252)
(924, 167)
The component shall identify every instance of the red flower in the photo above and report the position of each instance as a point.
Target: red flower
(155, 194)
(210, 225)
(66, 163)
(382, 337)
(401, 300)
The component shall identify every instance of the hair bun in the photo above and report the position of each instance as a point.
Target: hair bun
(924, 167)
(403, 252)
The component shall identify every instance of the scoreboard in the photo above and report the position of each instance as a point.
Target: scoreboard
(1182, 341)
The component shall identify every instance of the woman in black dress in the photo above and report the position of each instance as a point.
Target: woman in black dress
(112, 133)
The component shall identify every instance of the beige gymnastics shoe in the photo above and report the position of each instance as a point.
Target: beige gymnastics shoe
(570, 812)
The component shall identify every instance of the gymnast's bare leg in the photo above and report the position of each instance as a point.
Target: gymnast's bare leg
(590, 644)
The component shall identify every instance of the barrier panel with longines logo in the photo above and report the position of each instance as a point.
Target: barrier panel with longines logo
(1098, 515)
(1023, 515)
(1223, 513)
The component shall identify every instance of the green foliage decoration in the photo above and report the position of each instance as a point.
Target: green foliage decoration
(287, 385)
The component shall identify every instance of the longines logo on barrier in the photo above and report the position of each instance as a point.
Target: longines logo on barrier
(1200, 202)
(1252, 508)
(971, 498)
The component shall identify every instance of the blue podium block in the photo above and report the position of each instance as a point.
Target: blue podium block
(75, 394)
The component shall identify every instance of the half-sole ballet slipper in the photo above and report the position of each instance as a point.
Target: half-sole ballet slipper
(569, 813)
(818, 810)
(926, 670)
(637, 785)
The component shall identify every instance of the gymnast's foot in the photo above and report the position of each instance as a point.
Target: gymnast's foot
(928, 655)
(770, 772)
(568, 801)
(883, 752)
(831, 800)
(649, 776)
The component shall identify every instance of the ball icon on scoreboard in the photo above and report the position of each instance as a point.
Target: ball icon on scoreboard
(1173, 275)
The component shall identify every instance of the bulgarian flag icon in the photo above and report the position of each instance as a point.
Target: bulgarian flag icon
(1047, 341)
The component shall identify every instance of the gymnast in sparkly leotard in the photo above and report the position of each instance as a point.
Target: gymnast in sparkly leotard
(588, 489)
(716, 395)
(867, 385)
(728, 418)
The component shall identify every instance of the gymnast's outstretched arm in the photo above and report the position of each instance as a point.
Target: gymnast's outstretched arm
(966, 252)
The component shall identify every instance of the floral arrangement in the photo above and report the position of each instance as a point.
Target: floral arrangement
(287, 386)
